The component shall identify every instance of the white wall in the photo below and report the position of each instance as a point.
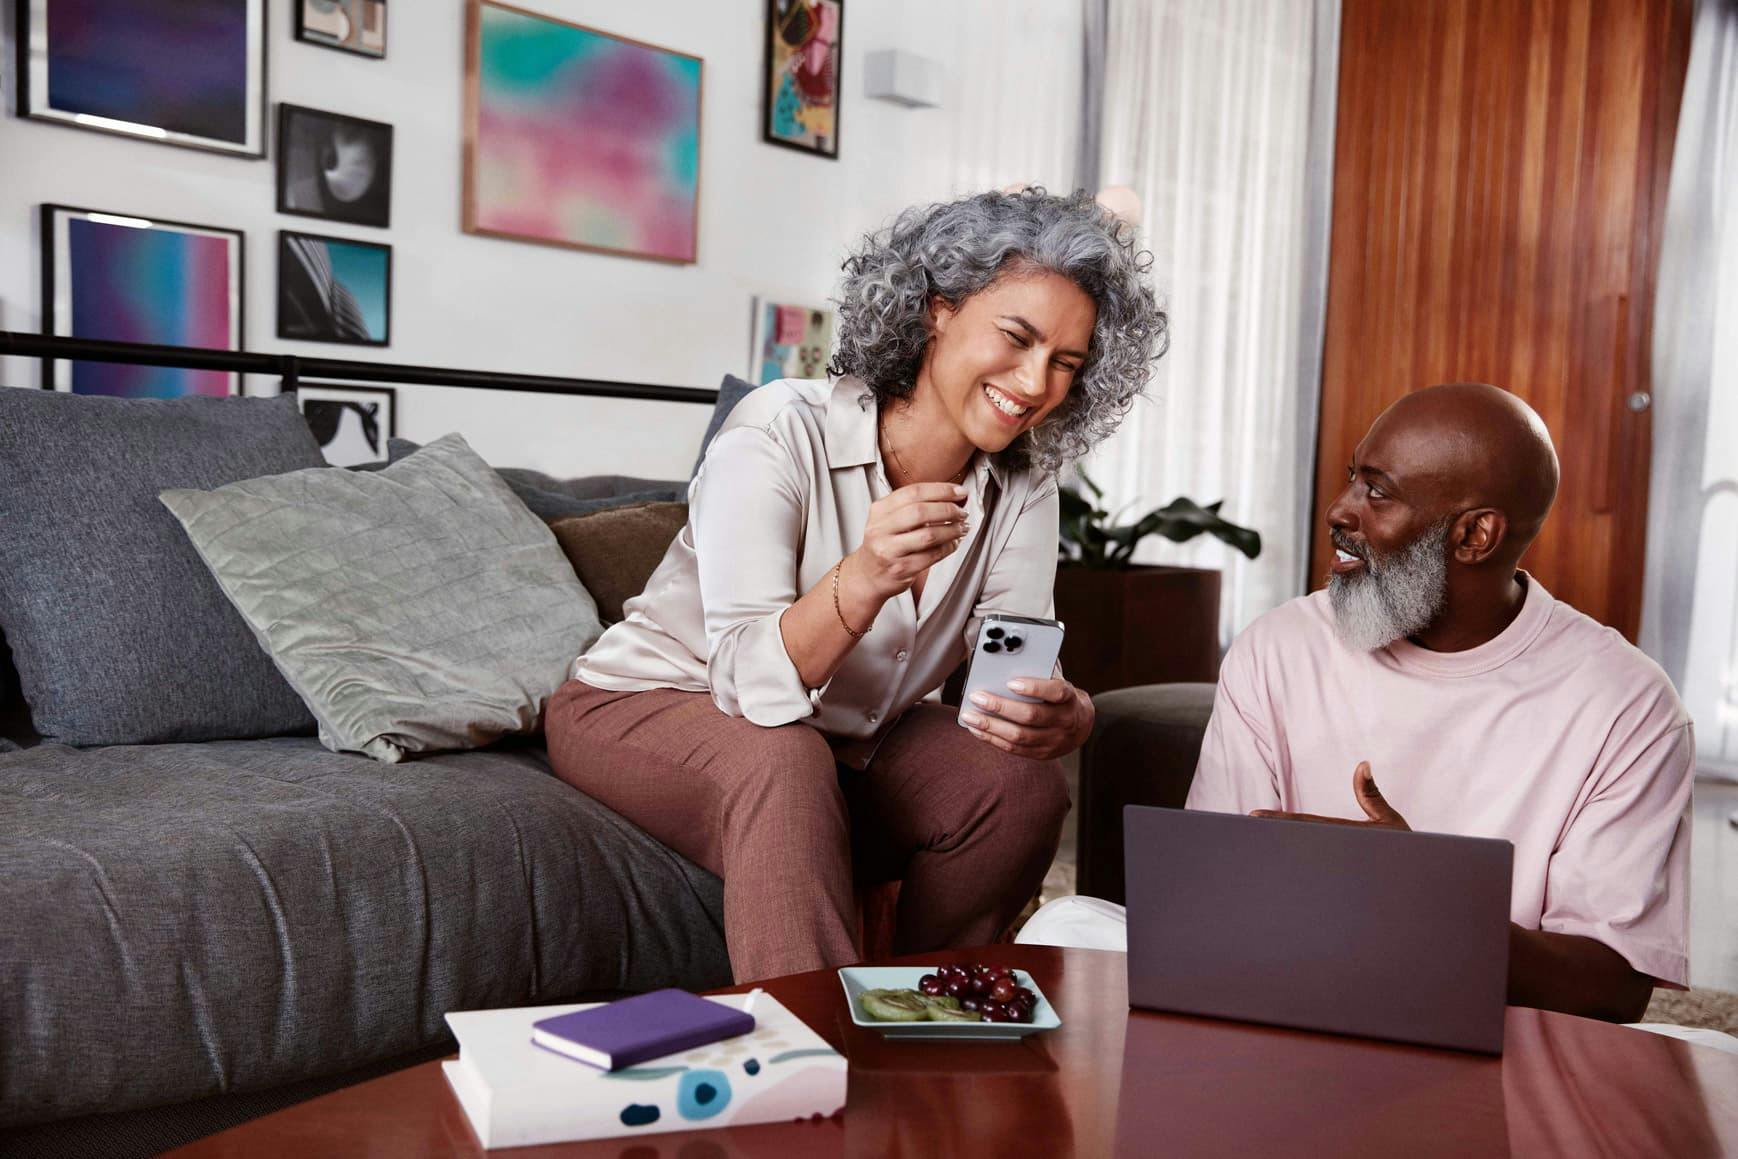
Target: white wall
(772, 221)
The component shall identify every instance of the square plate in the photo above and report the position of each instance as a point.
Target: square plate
(860, 978)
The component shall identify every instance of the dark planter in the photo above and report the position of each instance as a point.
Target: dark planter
(1138, 625)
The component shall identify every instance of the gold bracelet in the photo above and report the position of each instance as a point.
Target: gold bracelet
(855, 634)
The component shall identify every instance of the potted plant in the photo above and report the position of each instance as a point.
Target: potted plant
(1129, 623)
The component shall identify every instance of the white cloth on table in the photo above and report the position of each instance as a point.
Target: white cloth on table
(1086, 923)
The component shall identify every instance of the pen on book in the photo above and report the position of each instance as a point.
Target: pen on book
(748, 1003)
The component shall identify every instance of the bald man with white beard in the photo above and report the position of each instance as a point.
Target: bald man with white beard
(1484, 707)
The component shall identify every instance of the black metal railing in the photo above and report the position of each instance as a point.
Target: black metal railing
(293, 368)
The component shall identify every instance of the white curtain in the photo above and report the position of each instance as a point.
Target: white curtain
(1690, 597)
(1219, 113)
(1012, 83)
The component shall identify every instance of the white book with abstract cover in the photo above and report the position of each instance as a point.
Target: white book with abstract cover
(517, 1094)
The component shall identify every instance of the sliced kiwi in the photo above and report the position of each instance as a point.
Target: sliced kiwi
(910, 1006)
(895, 1005)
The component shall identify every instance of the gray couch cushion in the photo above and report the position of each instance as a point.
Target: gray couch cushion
(183, 920)
(730, 392)
(550, 498)
(416, 609)
(119, 633)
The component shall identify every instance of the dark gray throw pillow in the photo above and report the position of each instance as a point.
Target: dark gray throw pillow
(550, 498)
(730, 392)
(118, 631)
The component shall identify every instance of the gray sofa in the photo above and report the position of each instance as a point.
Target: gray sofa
(1144, 746)
(195, 933)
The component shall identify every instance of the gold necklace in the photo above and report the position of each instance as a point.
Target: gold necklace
(887, 448)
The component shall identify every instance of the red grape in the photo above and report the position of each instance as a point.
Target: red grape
(994, 992)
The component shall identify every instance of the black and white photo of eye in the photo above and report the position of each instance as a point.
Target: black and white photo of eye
(334, 167)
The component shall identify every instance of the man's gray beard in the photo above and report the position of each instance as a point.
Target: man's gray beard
(1394, 596)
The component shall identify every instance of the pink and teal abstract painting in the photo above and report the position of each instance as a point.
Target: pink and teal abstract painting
(581, 138)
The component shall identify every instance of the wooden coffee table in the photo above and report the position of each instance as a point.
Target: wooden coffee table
(1116, 1081)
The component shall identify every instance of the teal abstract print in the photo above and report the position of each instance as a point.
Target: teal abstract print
(582, 138)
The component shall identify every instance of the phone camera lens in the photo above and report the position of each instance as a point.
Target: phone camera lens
(992, 646)
(993, 633)
(1014, 643)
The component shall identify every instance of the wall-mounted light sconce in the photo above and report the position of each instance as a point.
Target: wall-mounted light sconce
(904, 78)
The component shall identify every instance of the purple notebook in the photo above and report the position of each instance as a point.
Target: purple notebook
(635, 1029)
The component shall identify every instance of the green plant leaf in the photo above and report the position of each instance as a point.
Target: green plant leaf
(1089, 540)
(1081, 530)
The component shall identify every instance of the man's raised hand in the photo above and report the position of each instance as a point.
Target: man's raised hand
(1376, 808)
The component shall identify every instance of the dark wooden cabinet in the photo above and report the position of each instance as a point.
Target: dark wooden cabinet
(1138, 625)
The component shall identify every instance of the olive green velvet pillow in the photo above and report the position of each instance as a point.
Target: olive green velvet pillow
(417, 608)
(614, 552)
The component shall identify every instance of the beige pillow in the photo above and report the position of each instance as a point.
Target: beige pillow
(614, 552)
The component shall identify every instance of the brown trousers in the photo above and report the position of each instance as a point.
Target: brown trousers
(968, 829)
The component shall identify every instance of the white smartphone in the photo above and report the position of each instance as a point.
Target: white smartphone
(1009, 648)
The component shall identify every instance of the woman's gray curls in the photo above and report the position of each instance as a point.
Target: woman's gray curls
(953, 251)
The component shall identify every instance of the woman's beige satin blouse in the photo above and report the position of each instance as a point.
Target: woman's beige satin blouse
(782, 496)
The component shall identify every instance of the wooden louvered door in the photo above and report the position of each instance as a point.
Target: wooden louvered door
(1499, 187)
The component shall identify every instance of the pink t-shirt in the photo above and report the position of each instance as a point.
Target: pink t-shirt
(1557, 736)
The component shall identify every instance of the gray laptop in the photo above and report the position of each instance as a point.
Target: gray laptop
(1386, 934)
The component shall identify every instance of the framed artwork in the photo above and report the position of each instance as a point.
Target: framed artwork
(332, 289)
(334, 167)
(351, 423)
(800, 85)
(789, 341)
(190, 73)
(121, 278)
(581, 138)
(357, 26)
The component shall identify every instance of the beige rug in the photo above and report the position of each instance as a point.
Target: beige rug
(1712, 1009)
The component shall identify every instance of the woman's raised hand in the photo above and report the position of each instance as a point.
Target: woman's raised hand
(908, 531)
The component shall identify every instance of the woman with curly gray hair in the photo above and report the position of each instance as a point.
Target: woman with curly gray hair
(765, 706)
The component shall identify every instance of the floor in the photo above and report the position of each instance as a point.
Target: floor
(1713, 878)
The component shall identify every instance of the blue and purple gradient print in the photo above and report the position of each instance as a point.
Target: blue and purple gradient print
(180, 66)
(150, 285)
